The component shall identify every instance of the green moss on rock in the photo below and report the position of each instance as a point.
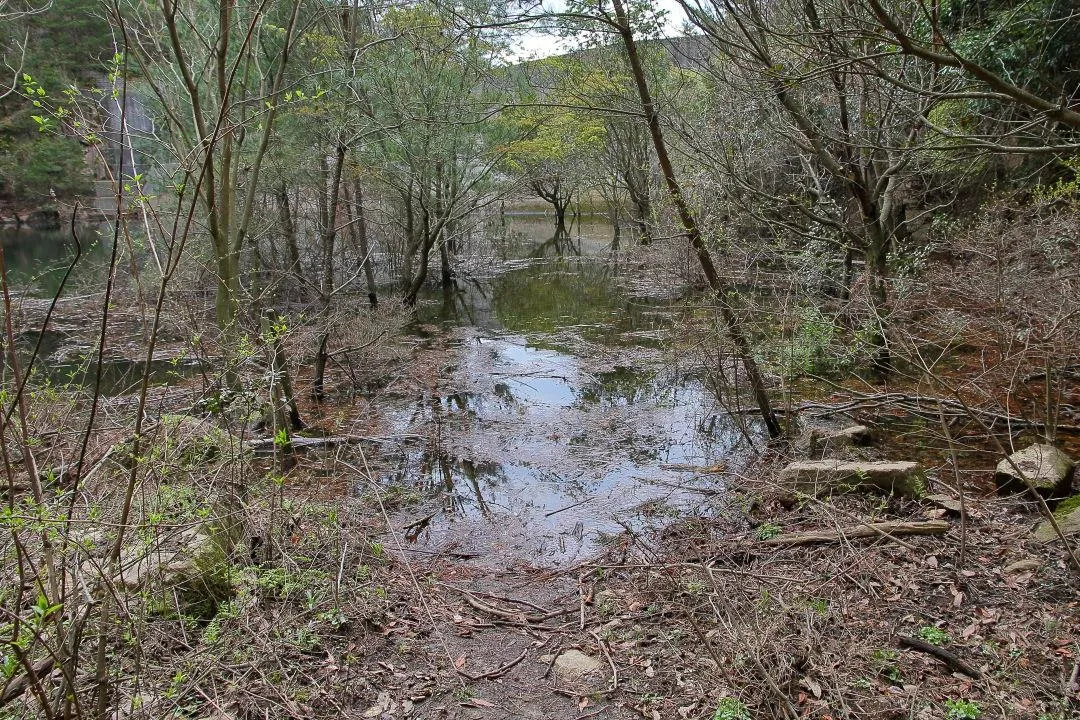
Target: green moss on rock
(1067, 516)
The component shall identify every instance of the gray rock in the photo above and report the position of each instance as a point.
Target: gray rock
(44, 218)
(93, 541)
(950, 504)
(170, 565)
(1025, 565)
(1049, 470)
(1067, 516)
(195, 566)
(822, 477)
(183, 439)
(845, 437)
(574, 663)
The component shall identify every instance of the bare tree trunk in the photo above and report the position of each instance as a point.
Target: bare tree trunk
(641, 217)
(358, 228)
(693, 232)
(421, 274)
(444, 251)
(288, 229)
(560, 216)
(281, 412)
(555, 195)
(613, 211)
(412, 242)
(444, 257)
(326, 290)
(849, 258)
(877, 257)
(228, 288)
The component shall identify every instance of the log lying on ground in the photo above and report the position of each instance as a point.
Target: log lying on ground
(40, 672)
(302, 441)
(954, 662)
(889, 529)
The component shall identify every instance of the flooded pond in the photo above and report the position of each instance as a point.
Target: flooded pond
(37, 261)
(563, 419)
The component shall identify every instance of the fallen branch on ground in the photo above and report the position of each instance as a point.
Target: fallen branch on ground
(300, 441)
(865, 530)
(568, 507)
(924, 406)
(716, 469)
(39, 674)
(940, 653)
(497, 672)
(516, 615)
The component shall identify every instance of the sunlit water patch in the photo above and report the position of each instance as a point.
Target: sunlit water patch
(535, 454)
(544, 464)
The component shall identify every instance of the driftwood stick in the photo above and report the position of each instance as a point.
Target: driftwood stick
(16, 687)
(607, 653)
(497, 672)
(581, 599)
(716, 469)
(300, 441)
(923, 405)
(568, 507)
(940, 653)
(501, 598)
(418, 523)
(889, 529)
(443, 553)
(551, 663)
(497, 612)
(515, 615)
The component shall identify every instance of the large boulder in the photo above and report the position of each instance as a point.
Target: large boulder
(1047, 468)
(823, 477)
(1067, 516)
(193, 440)
(195, 566)
(45, 217)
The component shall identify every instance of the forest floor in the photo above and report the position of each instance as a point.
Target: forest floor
(674, 624)
(703, 616)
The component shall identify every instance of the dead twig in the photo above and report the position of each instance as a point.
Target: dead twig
(568, 507)
(581, 601)
(497, 672)
(515, 615)
(716, 469)
(551, 663)
(418, 523)
(300, 441)
(925, 406)
(614, 685)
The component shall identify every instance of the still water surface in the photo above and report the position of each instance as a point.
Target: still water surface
(566, 418)
(563, 419)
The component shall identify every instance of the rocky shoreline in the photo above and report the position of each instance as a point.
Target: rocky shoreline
(34, 217)
(52, 215)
